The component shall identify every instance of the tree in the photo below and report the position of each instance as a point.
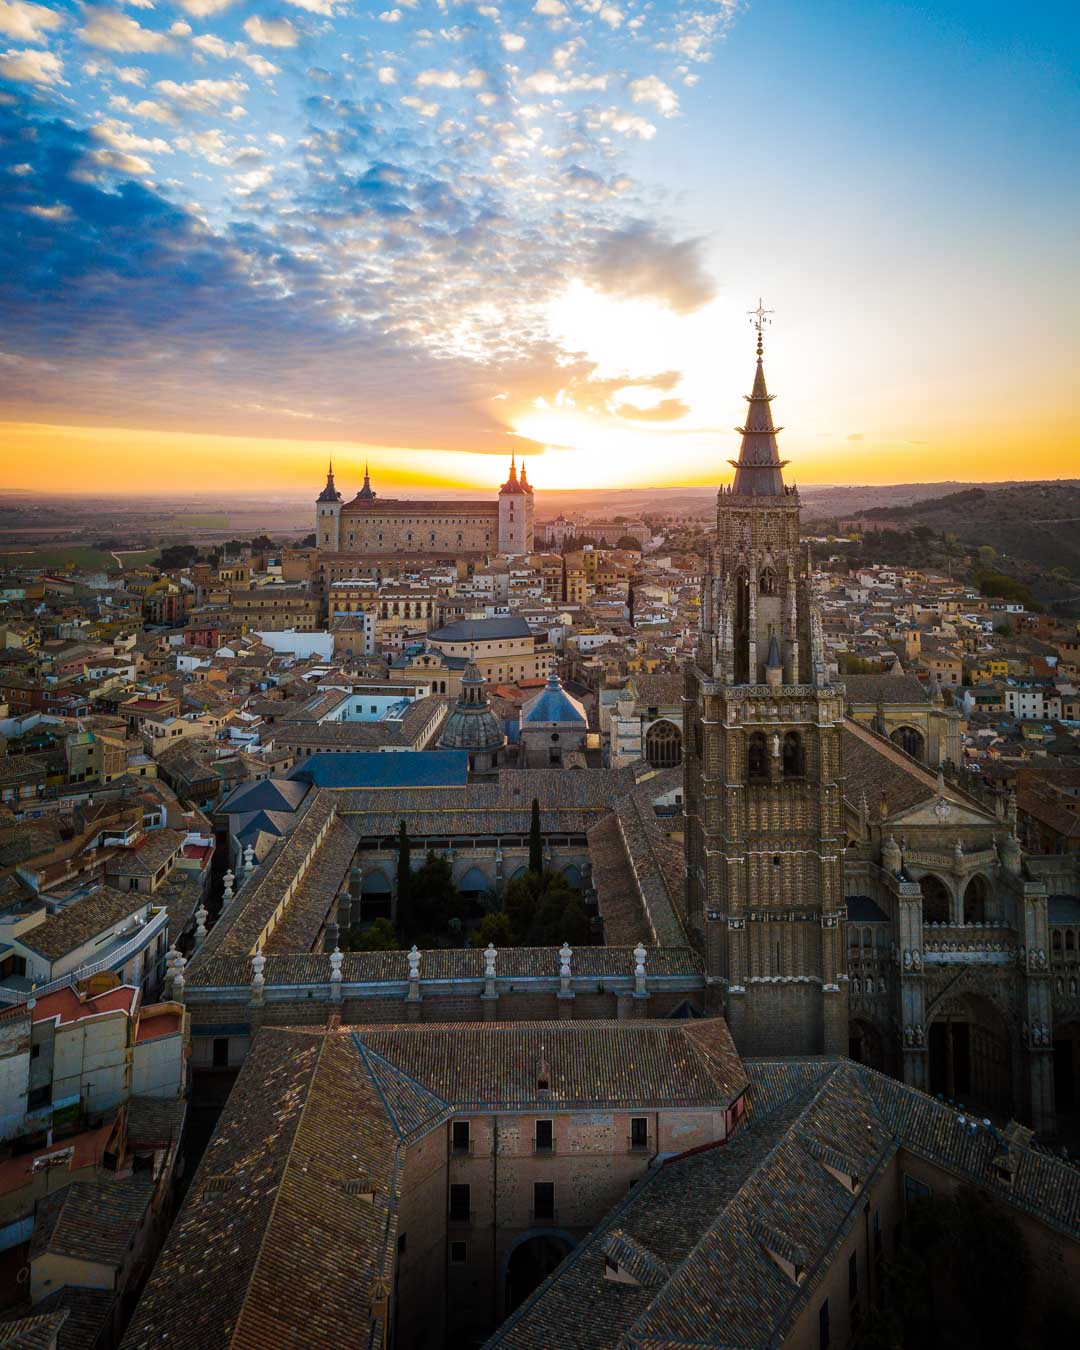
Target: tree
(174, 556)
(308, 541)
(262, 543)
(626, 541)
(380, 937)
(494, 928)
(536, 843)
(543, 909)
(404, 877)
(433, 897)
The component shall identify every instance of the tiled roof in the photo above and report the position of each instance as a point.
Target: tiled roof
(92, 1220)
(81, 921)
(36, 1332)
(316, 896)
(786, 1188)
(87, 1311)
(885, 689)
(481, 630)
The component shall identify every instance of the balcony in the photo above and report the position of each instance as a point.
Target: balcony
(117, 955)
(542, 1149)
(986, 944)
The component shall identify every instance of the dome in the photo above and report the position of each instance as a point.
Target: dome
(471, 725)
(553, 704)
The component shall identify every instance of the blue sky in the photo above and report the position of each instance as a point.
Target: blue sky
(446, 229)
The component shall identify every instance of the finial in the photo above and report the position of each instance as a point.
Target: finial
(759, 319)
(330, 470)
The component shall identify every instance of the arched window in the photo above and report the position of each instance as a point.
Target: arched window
(1055, 940)
(1070, 941)
(910, 741)
(663, 745)
(757, 758)
(767, 582)
(793, 755)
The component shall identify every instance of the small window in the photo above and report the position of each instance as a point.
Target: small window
(459, 1203)
(543, 1200)
(823, 1326)
(460, 1136)
(545, 1136)
(35, 1051)
(639, 1132)
(914, 1191)
(459, 1253)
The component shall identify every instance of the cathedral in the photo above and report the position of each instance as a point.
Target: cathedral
(373, 527)
(844, 897)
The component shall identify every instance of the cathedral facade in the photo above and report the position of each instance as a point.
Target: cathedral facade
(370, 526)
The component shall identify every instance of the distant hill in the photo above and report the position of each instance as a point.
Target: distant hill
(829, 503)
(1036, 522)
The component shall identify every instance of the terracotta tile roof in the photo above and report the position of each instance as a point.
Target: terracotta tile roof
(36, 1332)
(92, 1220)
(88, 1313)
(730, 1223)
(315, 899)
(81, 921)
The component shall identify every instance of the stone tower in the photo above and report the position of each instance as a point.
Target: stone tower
(516, 514)
(763, 772)
(328, 516)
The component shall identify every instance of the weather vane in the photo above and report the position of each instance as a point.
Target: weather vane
(759, 318)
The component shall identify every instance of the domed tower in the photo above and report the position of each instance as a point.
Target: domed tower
(763, 772)
(472, 725)
(328, 516)
(516, 514)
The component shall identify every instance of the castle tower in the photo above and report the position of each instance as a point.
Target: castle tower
(763, 771)
(328, 516)
(516, 514)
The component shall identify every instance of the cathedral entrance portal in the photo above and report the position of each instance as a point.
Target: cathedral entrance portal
(969, 1053)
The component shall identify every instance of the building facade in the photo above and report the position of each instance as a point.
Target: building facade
(370, 525)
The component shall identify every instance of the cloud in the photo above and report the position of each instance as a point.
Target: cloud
(450, 79)
(324, 7)
(204, 96)
(203, 9)
(119, 136)
(145, 107)
(209, 44)
(387, 75)
(512, 42)
(116, 32)
(550, 9)
(271, 32)
(30, 67)
(651, 89)
(390, 16)
(26, 22)
(611, 16)
(667, 410)
(641, 262)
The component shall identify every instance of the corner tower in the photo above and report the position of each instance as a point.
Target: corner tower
(763, 772)
(516, 513)
(328, 515)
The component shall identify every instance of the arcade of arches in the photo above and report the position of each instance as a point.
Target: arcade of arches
(936, 900)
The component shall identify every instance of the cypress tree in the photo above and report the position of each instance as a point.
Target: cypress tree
(536, 846)
(404, 878)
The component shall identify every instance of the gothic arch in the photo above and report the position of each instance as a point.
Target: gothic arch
(474, 882)
(978, 899)
(663, 745)
(376, 900)
(937, 899)
(911, 741)
(970, 1049)
(572, 876)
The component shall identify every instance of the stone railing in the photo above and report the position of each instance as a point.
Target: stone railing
(973, 943)
(948, 862)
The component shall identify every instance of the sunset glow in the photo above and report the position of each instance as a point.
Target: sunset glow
(437, 235)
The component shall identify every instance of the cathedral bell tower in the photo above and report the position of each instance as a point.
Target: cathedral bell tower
(763, 771)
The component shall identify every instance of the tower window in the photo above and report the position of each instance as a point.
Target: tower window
(757, 758)
(793, 755)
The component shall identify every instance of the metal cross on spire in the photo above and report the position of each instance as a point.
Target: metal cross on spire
(759, 318)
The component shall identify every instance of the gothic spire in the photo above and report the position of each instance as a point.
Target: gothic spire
(759, 468)
(365, 494)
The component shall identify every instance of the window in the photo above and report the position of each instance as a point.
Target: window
(853, 1277)
(639, 1132)
(543, 1200)
(823, 1326)
(459, 1203)
(459, 1253)
(545, 1136)
(460, 1141)
(793, 755)
(915, 1190)
(401, 1243)
(757, 759)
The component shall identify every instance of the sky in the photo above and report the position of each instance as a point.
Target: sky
(239, 237)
